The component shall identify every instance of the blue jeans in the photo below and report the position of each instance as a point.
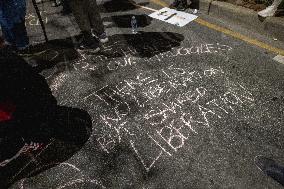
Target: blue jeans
(12, 22)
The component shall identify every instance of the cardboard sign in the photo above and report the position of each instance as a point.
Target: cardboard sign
(173, 17)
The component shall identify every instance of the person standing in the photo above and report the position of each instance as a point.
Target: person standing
(180, 5)
(86, 13)
(12, 22)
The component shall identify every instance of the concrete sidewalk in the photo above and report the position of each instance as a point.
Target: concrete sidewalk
(244, 17)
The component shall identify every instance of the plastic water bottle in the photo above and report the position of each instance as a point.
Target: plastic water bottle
(134, 25)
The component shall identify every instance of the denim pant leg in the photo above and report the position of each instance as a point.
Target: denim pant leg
(19, 31)
(7, 34)
(14, 31)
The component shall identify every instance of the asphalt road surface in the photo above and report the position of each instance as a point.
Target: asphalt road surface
(172, 108)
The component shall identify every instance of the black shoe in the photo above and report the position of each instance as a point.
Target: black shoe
(89, 43)
(103, 38)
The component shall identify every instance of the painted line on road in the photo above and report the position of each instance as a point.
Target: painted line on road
(143, 7)
(240, 36)
(161, 3)
(223, 30)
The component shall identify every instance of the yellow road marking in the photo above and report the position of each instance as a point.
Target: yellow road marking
(240, 36)
(224, 30)
(161, 3)
(147, 8)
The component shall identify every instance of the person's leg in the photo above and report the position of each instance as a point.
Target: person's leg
(175, 4)
(96, 21)
(182, 5)
(79, 9)
(276, 3)
(20, 34)
(80, 14)
(66, 7)
(6, 32)
(19, 27)
(14, 31)
(95, 17)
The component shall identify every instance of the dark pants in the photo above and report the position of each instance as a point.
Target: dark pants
(66, 6)
(86, 13)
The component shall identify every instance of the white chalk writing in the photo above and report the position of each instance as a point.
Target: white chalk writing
(170, 106)
(33, 20)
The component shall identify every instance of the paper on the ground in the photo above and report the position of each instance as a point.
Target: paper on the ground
(173, 17)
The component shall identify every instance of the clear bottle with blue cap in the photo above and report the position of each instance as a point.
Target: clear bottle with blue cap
(134, 25)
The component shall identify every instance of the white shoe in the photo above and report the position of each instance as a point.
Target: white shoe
(102, 37)
(269, 11)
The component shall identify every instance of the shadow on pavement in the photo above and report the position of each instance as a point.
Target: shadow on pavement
(143, 44)
(61, 53)
(124, 21)
(47, 55)
(35, 133)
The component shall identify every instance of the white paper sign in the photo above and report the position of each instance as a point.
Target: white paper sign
(173, 17)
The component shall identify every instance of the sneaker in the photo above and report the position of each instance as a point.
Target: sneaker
(268, 12)
(56, 3)
(89, 44)
(102, 37)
